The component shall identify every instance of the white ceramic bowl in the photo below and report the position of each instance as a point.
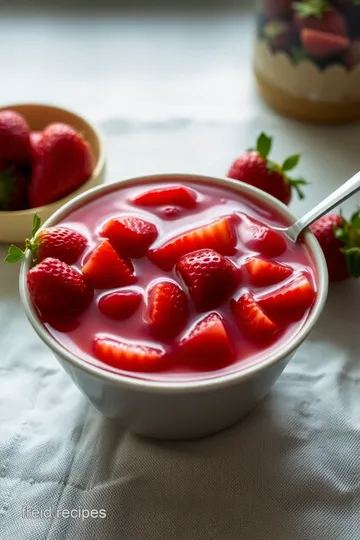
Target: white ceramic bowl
(16, 226)
(179, 410)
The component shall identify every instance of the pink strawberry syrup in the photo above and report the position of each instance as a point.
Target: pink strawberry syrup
(213, 202)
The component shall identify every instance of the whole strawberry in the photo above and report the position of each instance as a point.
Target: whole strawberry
(63, 163)
(340, 242)
(15, 147)
(35, 137)
(60, 243)
(57, 288)
(255, 168)
(319, 15)
(13, 188)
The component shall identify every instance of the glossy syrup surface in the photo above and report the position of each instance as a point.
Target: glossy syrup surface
(212, 203)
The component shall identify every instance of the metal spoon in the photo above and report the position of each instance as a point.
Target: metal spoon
(337, 197)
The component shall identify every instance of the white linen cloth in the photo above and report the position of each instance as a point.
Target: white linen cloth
(175, 94)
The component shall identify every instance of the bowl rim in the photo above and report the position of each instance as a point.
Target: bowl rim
(129, 382)
(99, 166)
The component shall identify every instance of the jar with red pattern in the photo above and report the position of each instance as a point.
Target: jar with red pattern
(307, 58)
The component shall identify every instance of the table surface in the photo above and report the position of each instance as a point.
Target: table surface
(173, 92)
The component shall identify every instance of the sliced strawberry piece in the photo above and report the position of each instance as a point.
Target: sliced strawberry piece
(261, 238)
(127, 356)
(210, 277)
(106, 269)
(252, 319)
(167, 309)
(207, 345)
(120, 305)
(264, 272)
(321, 44)
(171, 195)
(130, 236)
(290, 300)
(57, 288)
(219, 236)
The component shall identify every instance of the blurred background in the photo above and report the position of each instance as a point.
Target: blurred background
(144, 61)
(152, 74)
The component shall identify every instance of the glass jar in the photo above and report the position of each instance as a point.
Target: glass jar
(307, 58)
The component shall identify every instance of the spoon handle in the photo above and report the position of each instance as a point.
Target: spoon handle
(337, 197)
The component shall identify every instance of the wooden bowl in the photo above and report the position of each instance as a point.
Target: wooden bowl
(16, 226)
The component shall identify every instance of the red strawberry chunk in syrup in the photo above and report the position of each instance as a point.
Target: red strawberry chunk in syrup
(207, 344)
(259, 237)
(264, 272)
(210, 277)
(219, 235)
(120, 305)
(252, 320)
(167, 309)
(130, 236)
(128, 356)
(171, 195)
(105, 269)
(291, 300)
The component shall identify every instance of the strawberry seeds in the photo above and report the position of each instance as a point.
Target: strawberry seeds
(170, 281)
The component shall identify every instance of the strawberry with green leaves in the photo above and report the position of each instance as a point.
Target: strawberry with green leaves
(340, 241)
(255, 168)
(323, 28)
(60, 243)
(320, 15)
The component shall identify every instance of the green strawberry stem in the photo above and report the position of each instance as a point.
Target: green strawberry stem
(263, 147)
(349, 234)
(296, 183)
(311, 8)
(15, 254)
